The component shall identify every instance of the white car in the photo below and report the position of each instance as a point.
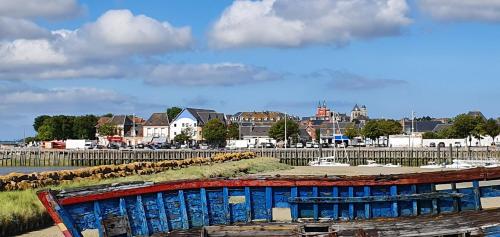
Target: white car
(299, 145)
(309, 144)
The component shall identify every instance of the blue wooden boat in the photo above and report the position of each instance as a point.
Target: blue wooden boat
(285, 206)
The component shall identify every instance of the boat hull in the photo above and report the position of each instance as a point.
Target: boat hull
(145, 209)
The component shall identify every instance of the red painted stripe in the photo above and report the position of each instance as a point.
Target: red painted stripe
(404, 179)
(44, 197)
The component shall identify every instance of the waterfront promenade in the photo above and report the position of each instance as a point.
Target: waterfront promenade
(296, 157)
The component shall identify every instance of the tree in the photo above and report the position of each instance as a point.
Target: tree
(45, 132)
(352, 131)
(184, 136)
(479, 130)
(424, 118)
(430, 135)
(84, 127)
(172, 112)
(464, 126)
(108, 115)
(372, 130)
(277, 130)
(215, 132)
(491, 128)
(233, 131)
(107, 130)
(39, 121)
(390, 127)
(317, 132)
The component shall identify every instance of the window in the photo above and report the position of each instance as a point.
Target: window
(194, 124)
(175, 133)
(175, 125)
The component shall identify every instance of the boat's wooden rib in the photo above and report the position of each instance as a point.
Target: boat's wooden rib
(147, 209)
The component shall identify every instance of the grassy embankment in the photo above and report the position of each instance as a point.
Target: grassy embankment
(22, 208)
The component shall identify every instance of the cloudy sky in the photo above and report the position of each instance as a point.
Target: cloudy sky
(437, 57)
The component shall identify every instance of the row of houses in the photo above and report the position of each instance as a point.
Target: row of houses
(158, 128)
(253, 126)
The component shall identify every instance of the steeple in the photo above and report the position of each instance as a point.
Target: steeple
(324, 104)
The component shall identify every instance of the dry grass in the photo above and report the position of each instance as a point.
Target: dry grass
(22, 206)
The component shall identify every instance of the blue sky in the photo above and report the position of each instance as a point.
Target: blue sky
(437, 57)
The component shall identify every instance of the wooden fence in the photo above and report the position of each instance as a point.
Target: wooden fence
(292, 156)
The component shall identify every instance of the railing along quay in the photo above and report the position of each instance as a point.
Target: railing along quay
(291, 156)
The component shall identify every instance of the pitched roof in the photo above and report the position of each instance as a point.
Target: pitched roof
(442, 126)
(120, 120)
(195, 112)
(476, 114)
(207, 116)
(255, 131)
(157, 119)
(423, 126)
(356, 108)
(103, 120)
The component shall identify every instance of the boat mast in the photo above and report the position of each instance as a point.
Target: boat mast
(285, 132)
(333, 137)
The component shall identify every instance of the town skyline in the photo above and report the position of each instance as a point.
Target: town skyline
(78, 57)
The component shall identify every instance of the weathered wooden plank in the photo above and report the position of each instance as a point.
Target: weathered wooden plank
(98, 219)
(248, 204)
(315, 205)
(162, 213)
(367, 199)
(367, 193)
(204, 206)
(142, 216)
(294, 207)
(335, 193)
(415, 201)
(269, 203)
(477, 195)
(225, 196)
(394, 206)
(182, 206)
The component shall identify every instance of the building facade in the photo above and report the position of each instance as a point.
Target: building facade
(191, 121)
(156, 129)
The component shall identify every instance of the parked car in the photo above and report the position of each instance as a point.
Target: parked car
(441, 144)
(269, 145)
(324, 145)
(299, 145)
(315, 145)
(309, 145)
(251, 146)
(432, 144)
(204, 146)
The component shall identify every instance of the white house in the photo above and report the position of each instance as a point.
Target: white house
(192, 120)
(156, 129)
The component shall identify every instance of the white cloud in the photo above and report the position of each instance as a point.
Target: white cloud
(462, 10)
(222, 74)
(294, 23)
(104, 48)
(50, 9)
(14, 28)
(29, 53)
(119, 32)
